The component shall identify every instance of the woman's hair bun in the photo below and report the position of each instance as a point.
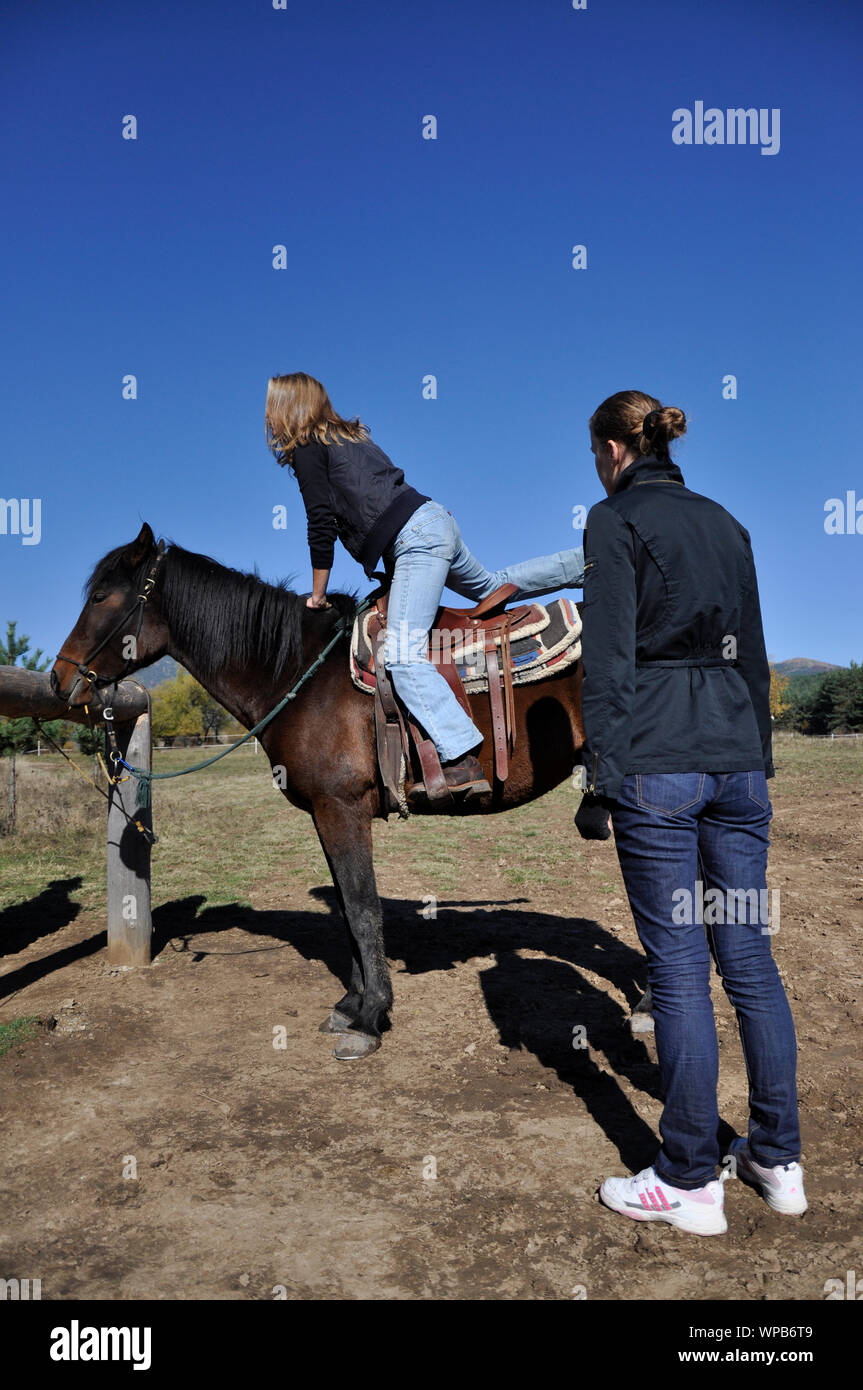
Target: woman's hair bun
(662, 425)
(639, 421)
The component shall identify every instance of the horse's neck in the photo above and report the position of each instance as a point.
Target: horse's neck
(236, 694)
(248, 692)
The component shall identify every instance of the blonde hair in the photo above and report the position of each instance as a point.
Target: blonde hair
(639, 421)
(298, 410)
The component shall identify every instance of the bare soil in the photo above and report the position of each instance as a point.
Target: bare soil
(156, 1144)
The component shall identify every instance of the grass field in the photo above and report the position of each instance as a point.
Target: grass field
(231, 817)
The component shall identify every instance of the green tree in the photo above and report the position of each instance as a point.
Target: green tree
(821, 711)
(848, 704)
(16, 646)
(797, 697)
(90, 740)
(214, 717)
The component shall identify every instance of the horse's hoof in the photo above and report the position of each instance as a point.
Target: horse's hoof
(352, 1046)
(335, 1023)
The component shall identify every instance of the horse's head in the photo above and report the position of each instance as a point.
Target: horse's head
(120, 628)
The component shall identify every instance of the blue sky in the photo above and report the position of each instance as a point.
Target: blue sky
(407, 256)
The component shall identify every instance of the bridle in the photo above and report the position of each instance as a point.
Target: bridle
(83, 667)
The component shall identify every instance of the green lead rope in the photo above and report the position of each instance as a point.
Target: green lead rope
(145, 778)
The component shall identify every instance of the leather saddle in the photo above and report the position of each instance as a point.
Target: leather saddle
(398, 735)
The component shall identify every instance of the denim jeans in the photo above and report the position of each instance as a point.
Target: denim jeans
(428, 555)
(685, 839)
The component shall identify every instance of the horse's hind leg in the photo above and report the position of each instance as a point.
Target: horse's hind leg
(345, 834)
(641, 1019)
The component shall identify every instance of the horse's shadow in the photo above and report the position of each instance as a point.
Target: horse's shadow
(545, 1005)
(25, 923)
(46, 913)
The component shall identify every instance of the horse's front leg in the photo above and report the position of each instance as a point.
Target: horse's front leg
(345, 833)
(346, 1010)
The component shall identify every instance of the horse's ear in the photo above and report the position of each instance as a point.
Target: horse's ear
(141, 546)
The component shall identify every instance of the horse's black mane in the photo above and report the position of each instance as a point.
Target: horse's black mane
(221, 616)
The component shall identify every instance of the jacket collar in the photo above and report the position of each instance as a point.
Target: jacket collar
(648, 469)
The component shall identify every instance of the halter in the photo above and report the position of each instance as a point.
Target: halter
(83, 667)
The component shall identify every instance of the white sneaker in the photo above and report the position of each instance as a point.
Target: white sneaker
(781, 1187)
(646, 1197)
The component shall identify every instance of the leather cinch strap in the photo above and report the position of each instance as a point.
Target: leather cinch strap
(502, 702)
(391, 738)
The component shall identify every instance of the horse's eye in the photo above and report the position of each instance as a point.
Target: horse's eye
(98, 597)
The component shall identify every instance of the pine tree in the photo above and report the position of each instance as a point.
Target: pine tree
(848, 706)
(16, 735)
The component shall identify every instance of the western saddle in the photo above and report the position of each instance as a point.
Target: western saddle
(398, 736)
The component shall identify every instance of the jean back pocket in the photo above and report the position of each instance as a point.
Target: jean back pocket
(668, 792)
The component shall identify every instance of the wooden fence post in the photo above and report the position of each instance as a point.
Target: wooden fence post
(129, 919)
(28, 695)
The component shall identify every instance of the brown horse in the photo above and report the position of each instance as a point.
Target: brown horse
(246, 642)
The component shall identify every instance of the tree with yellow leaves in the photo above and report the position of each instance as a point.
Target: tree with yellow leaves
(778, 693)
(183, 708)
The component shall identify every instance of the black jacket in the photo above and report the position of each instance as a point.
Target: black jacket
(354, 491)
(675, 671)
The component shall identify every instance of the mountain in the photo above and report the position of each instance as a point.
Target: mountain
(164, 670)
(804, 666)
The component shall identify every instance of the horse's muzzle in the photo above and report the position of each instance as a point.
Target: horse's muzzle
(67, 696)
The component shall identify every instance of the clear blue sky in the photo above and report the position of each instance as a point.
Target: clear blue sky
(407, 256)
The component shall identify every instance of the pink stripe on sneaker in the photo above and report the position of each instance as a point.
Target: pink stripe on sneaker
(663, 1199)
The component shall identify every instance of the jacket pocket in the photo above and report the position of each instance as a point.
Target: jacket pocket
(668, 792)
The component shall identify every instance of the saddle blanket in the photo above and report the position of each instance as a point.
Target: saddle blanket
(546, 642)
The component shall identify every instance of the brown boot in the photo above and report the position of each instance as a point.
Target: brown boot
(465, 774)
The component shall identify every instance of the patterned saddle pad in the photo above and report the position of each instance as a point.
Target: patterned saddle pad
(546, 642)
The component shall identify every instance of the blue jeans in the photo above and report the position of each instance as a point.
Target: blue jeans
(685, 839)
(429, 554)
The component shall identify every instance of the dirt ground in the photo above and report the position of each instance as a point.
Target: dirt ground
(155, 1143)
